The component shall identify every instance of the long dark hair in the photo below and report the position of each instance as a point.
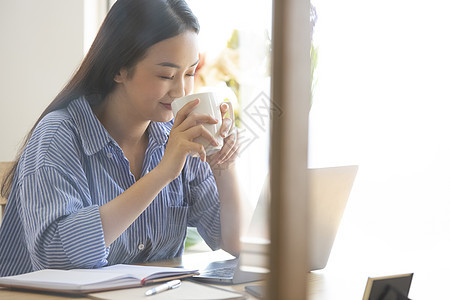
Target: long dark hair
(129, 29)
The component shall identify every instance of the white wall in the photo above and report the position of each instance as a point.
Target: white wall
(41, 46)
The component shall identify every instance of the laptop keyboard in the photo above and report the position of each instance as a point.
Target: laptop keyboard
(222, 269)
(224, 272)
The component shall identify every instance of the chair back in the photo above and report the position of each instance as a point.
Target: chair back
(4, 168)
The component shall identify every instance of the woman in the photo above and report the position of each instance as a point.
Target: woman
(105, 176)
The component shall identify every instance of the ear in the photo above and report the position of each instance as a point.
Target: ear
(121, 76)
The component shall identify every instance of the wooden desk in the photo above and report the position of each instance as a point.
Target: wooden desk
(428, 283)
(201, 260)
(321, 287)
(198, 260)
(23, 295)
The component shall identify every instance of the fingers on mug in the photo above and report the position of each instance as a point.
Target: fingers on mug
(231, 112)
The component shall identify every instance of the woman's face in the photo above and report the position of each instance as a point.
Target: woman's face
(166, 73)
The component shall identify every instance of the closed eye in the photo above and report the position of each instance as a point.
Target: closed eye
(167, 77)
(172, 77)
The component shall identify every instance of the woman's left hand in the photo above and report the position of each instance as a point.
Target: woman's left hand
(230, 149)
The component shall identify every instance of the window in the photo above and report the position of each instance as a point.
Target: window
(235, 39)
(381, 101)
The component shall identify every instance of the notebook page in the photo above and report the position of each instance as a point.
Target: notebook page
(61, 279)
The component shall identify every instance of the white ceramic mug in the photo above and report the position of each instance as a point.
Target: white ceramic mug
(209, 104)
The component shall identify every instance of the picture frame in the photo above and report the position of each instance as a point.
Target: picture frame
(392, 287)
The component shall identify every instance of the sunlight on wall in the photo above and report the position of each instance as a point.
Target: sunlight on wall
(382, 101)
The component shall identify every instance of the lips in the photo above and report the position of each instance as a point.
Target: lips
(167, 106)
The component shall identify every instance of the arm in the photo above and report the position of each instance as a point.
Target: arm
(118, 214)
(230, 208)
(64, 227)
(61, 231)
(231, 205)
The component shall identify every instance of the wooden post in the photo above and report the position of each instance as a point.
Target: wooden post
(291, 92)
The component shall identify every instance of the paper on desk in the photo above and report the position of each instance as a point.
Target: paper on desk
(187, 291)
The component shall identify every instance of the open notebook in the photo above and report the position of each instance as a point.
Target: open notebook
(92, 280)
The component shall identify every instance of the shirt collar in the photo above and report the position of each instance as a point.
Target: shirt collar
(160, 131)
(94, 136)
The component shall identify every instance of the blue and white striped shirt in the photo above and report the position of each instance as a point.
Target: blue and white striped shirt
(72, 166)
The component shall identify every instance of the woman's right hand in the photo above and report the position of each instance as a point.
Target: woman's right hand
(186, 127)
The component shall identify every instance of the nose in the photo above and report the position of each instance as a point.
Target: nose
(177, 90)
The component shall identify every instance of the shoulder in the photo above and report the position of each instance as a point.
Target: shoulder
(54, 128)
(53, 141)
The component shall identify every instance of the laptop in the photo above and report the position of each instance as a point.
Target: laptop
(329, 189)
(329, 192)
(228, 272)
